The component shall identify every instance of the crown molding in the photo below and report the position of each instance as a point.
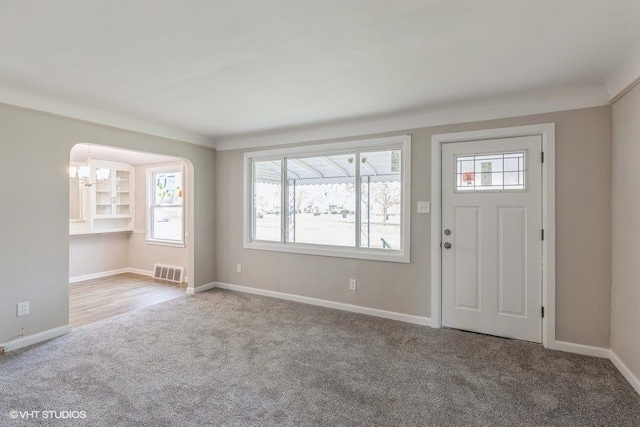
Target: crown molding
(48, 106)
(542, 102)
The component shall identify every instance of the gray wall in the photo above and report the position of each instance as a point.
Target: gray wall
(625, 291)
(34, 237)
(583, 215)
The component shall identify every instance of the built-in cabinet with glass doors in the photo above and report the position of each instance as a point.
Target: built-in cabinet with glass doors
(108, 202)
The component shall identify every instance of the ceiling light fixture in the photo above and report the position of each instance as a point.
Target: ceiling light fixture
(82, 174)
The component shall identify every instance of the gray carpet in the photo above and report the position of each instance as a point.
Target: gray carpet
(226, 358)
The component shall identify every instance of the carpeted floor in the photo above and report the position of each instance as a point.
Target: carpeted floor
(226, 358)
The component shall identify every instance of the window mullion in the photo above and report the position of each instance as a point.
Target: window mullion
(151, 222)
(252, 202)
(358, 202)
(284, 202)
(152, 203)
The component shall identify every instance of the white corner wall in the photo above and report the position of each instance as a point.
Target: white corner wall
(625, 288)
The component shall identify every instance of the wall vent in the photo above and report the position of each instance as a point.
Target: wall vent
(169, 273)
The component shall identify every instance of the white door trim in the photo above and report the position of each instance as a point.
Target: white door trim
(547, 132)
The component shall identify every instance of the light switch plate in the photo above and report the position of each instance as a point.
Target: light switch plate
(424, 207)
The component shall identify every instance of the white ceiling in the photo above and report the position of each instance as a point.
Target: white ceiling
(80, 152)
(222, 71)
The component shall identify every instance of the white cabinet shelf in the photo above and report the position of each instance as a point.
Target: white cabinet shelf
(109, 204)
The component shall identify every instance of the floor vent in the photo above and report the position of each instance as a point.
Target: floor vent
(169, 273)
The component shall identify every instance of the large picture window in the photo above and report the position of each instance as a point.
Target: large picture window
(346, 199)
(166, 205)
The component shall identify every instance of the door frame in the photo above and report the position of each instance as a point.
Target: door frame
(547, 133)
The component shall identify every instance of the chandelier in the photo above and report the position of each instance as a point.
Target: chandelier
(82, 174)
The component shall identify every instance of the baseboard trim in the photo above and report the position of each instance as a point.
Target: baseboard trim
(625, 371)
(201, 288)
(140, 271)
(417, 320)
(100, 275)
(36, 338)
(585, 350)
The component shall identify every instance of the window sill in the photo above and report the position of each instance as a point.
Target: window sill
(165, 243)
(331, 251)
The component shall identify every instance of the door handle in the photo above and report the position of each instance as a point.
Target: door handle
(447, 245)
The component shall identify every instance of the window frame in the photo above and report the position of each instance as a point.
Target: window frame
(151, 182)
(400, 142)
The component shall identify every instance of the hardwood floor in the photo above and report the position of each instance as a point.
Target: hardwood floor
(99, 299)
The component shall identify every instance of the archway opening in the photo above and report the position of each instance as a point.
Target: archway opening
(129, 244)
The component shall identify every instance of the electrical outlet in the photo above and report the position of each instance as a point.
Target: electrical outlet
(238, 268)
(352, 284)
(23, 308)
(424, 207)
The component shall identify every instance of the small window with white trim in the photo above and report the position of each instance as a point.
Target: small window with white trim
(346, 199)
(491, 172)
(166, 204)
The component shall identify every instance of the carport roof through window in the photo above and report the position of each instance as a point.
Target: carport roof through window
(346, 199)
(380, 166)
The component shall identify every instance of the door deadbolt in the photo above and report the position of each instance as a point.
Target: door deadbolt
(447, 232)
(447, 245)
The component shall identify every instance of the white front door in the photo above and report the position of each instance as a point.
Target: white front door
(492, 237)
